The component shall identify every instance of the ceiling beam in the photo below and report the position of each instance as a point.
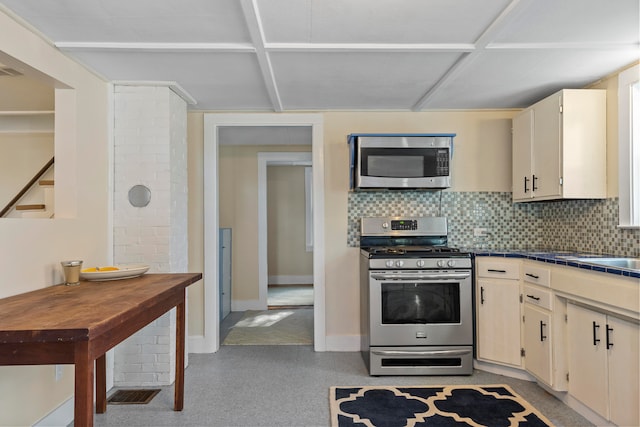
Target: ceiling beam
(369, 47)
(467, 58)
(155, 47)
(254, 25)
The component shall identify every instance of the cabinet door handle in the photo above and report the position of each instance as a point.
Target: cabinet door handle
(542, 335)
(532, 275)
(526, 180)
(481, 295)
(491, 270)
(533, 297)
(535, 187)
(609, 342)
(595, 329)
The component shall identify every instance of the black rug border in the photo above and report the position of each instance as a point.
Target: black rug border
(336, 414)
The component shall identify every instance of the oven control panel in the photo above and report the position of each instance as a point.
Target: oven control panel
(404, 225)
(399, 226)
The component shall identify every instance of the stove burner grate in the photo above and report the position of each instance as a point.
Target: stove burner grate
(415, 250)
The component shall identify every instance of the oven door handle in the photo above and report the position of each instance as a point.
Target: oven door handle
(401, 353)
(420, 276)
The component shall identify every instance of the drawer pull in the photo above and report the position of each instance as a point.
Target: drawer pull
(595, 329)
(533, 275)
(533, 297)
(609, 343)
(542, 335)
(492, 270)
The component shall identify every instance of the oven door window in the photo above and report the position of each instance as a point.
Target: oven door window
(420, 303)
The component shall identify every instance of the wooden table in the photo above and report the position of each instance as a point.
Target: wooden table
(78, 324)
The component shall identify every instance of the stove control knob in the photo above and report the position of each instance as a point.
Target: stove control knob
(420, 263)
(385, 225)
(451, 263)
(441, 263)
(399, 263)
(389, 263)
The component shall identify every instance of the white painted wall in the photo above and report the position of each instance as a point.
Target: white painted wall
(31, 249)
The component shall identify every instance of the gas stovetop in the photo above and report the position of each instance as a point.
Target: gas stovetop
(409, 243)
(411, 251)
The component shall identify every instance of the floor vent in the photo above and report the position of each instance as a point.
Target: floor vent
(132, 397)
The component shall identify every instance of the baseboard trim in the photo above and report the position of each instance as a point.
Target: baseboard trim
(244, 305)
(61, 416)
(342, 343)
(197, 344)
(291, 280)
(507, 371)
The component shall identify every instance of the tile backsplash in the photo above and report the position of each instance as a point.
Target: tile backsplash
(569, 225)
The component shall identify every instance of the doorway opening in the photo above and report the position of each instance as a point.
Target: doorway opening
(280, 315)
(214, 123)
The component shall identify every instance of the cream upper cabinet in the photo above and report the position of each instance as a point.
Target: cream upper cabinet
(498, 311)
(559, 147)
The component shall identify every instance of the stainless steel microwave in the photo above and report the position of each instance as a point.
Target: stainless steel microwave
(400, 161)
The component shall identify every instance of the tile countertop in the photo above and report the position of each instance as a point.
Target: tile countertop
(559, 258)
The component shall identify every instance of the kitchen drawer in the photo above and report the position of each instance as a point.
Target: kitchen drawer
(499, 269)
(539, 276)
(538, 296)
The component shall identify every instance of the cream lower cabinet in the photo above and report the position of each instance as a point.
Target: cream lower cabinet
(538, 342)
(603, 364)
(498, 311)
(543, 328)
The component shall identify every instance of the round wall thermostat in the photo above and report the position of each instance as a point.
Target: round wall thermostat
(139, 196)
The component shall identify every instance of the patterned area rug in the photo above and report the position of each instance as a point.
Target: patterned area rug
(440, 406)
(273, 327)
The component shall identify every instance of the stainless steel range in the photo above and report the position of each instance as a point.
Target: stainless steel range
(416, 298)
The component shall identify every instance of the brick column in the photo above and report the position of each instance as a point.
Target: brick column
(151, 150)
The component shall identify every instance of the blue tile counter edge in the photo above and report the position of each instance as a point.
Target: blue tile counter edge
(558, 258)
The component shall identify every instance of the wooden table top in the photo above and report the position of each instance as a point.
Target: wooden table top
(78, 313)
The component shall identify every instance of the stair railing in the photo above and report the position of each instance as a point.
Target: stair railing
(26, 188)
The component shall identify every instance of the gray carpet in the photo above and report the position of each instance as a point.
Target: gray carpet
(273, 327)
(289, 386)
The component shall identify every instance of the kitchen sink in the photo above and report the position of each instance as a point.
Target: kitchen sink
(628, 263)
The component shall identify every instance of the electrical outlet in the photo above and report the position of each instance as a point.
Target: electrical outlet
(480, 232)
(59, 372)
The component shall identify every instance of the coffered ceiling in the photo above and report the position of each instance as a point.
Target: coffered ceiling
(287, 55)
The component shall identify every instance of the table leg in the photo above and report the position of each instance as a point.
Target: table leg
(83, 398)
(101, 384)
(180, 347)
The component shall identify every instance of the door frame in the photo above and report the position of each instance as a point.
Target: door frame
(273, 158)
(213, 121)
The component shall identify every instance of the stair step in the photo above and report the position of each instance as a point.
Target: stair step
(46, 182)
(29, 207)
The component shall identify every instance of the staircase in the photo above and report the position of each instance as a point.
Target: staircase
(43, 192)
(36, 199)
